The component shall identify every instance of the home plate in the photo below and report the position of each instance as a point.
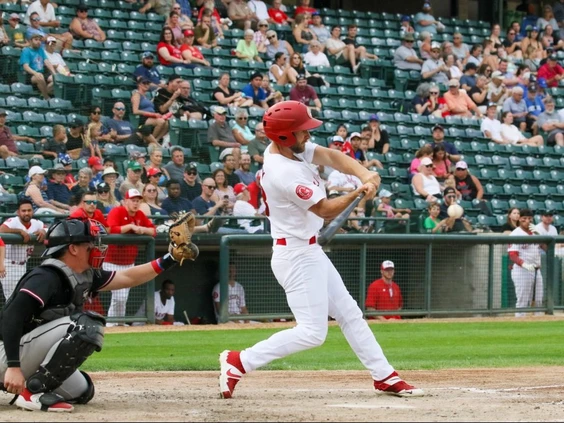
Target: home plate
(399, 406)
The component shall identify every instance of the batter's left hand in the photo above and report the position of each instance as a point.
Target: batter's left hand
(372, 177)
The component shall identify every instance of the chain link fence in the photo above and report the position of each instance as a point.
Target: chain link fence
(459, 275)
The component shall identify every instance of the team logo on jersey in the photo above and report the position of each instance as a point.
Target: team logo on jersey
(304, 193)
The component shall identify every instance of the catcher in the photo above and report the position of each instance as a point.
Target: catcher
(45, 335)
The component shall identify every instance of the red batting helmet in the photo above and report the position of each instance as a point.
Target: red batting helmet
(283, 119)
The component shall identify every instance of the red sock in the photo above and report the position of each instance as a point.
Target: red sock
(234, 358)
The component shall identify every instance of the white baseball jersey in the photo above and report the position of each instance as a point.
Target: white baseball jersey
(342, 180)
(291, 187)
(529, 253)
(21, 252)
(236, 297)
(551, 231)
(244, 208)
(161, 310)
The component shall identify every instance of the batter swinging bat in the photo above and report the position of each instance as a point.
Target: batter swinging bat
(331, 229)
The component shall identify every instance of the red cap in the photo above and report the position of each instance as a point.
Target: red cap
(132, 193)
(154, 171)
(188, 33)
(96, 163)
(239, 188)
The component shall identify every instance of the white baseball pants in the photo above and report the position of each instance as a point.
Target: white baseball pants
(525, 286)
(14, 273)
(119, 296)
(314, 290)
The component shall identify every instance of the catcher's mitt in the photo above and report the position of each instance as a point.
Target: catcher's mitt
(180, 234)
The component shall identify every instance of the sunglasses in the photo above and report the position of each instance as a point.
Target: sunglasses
(409, 41)
(210, 186)
(271, 37)
(98, 112)
(151, 190)
(176, 8)
(434, 93)
(451, 196)
(511, 33)
(193, 173)
(120, 109)
(90, 202)
(242, 118)
(460, 168)
(36, 20)
(429, 165)
(156, 175)
(263, 25)
(138, 171)
(104, 192)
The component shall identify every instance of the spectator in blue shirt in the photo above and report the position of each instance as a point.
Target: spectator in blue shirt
(120, 130)
(535, 106)
(254, 90)
(175, 204)
(34, 62)
(35, 28)
(518, 108)
(468, 80)
(148, 70)
(58, 192)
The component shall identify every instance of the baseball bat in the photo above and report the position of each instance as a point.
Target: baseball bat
(331, 229)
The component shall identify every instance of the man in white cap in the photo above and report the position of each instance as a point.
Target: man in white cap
(491, 126)
(17, 254)
(434, 67)
(126, 219)
(458, 102)
(244, 208)
(497, 91)
(424, 183)
(384, 294)
(55, 58)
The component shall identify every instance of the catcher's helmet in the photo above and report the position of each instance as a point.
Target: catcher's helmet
(75, 231)
(283, 119)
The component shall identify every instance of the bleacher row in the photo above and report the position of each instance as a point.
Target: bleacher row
(512, 176)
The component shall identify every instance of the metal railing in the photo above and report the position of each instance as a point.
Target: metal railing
(439, 275)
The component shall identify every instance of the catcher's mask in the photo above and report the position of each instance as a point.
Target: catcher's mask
(77, 231)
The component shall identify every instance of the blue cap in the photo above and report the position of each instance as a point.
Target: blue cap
(542, 82)
(147, 54)
(405, 18)
(374, 116)
(535, 28)
(65, 159)
(315, 14)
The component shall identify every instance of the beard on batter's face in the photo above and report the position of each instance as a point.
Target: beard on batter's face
(301, 138)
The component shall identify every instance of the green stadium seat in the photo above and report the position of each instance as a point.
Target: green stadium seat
(60, 104)
(499, 206)
(38, 104)
(16, 102)
(33, 117)
(54, 118)
(524, 175)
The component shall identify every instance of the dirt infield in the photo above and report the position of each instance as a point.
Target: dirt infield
(523, 394)
(509, 394)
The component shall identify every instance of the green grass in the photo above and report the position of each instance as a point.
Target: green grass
(407, 346)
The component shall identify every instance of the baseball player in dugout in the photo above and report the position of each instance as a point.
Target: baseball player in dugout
(296, 205)
(526, 272)
(45, 335)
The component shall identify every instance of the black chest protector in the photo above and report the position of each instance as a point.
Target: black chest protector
(78, 286)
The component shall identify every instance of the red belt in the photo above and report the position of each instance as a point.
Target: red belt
(282, 241)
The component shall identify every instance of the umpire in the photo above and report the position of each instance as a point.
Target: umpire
(45, 335)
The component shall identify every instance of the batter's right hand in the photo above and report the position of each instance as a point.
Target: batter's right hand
(14, 380)
(369, 189)
(372, 177)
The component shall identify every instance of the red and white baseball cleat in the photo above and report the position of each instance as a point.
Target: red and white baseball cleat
(231, 372)
(394, 385)
(43, 402)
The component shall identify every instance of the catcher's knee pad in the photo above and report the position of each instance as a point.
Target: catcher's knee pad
(84, 336)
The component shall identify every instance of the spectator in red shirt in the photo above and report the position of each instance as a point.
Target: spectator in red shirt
(126, 219)
(277, 14)
(305, 94)
(551, 71)
(384, 294)
(7, 139)
(305, 9)
(87, 209)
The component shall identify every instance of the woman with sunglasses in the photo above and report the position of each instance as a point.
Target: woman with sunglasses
(106, 199)
(184, 21)
(154, 176)
(82, 27)
(223, 191)
(151, 204)
(94, 134)
(260, 38)
(145, 109)
(485, 70)
(424, 183)
(298, 68)
(426, 100)
(241, 130)
(277, 46)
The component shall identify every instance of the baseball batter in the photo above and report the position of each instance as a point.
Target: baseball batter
(17, 255)
(45, 335)
(526, 273)
(296, 205)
